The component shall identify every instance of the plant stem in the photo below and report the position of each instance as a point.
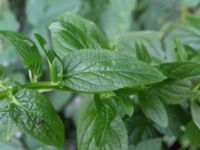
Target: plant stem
(41, 85)
(37, 86)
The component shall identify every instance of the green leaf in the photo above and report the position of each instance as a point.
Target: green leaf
(173, 92)
(187, 31)
(71, 32)
(87, 122)
(153, 108)
(68, 38)
(142, 53)
(119, 140)
(34, 114)
(56, 67)
(12, 145)
(85, 129)
(177, 118)
(8, 19)
(127, 104)
(7, 127)
(127, 44)
(154, 13)
(27, 49)
(48, 9)
(42, 42)
(33, 144)
(105, 115)
(56, 70)
(181, 53)
(151, 144)
(140, 128)
(46, 12)
(192, 133)
(8, 54)
(97, 71)
(195, 110)
(116, 18)
(180, 70)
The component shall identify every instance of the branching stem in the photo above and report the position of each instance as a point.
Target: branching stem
(36, 85)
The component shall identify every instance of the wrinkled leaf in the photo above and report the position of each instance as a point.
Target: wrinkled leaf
(96, 71)
(34, 114)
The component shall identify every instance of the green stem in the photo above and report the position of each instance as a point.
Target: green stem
(36, 86)
(41, 85)
(30, 75)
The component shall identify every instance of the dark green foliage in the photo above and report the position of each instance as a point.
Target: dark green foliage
(136, 90)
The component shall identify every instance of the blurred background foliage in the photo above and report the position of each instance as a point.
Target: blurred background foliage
(116, 18)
